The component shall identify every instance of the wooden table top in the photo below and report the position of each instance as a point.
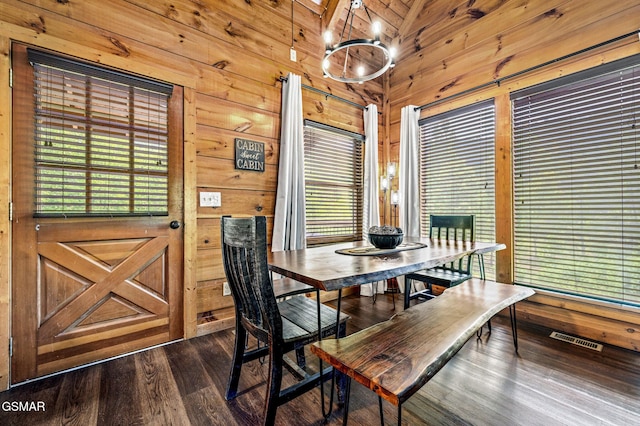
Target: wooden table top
(327, 270)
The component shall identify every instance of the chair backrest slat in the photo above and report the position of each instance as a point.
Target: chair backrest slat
(244, 254)
(461, 227)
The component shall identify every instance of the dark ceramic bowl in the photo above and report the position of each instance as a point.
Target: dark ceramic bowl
(386, 241)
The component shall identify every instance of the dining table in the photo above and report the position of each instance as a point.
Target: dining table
(337, 266)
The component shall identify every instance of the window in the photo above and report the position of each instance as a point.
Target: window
(101, 141)
(334, 183)
(457, 169)
(577, 183)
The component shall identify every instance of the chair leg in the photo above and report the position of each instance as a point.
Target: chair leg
(300, 358)
(274, 384)
(236, 363)
(380, 409)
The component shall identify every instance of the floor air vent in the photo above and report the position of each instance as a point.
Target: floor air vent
(576, 341)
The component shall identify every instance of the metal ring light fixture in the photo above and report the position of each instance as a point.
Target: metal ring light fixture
(386, 53)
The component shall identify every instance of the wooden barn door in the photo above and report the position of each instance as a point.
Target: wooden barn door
(89, 288)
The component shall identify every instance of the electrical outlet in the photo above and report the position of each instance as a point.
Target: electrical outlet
(210, 199)
(226, 290)
(292, 54)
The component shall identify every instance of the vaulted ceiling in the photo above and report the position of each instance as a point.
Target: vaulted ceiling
(396, 16)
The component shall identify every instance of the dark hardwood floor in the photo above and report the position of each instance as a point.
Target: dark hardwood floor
(486, 383)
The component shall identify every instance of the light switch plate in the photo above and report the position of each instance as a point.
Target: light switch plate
(210, 199)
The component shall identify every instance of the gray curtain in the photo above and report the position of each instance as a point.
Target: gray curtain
(289, 230)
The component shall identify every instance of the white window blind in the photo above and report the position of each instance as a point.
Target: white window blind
(457, 170)
(577, 183)
(334, 183)
(101, 141)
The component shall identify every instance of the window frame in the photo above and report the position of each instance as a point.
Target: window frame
(586, 151)
(328, 185)
(95, 173)
(461, 121)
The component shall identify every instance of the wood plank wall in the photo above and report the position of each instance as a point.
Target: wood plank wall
(5, 197)
(229, 55)
(452, 47)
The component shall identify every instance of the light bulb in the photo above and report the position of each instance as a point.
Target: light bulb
(391, 169)
(384, 183)
(327, 41)
(376, 28)
(395, 198)
(360, 71)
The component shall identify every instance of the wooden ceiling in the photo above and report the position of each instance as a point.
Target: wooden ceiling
(396, 16)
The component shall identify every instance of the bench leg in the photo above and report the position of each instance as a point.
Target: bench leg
(479, 332)
(382, 412)
(514, 325)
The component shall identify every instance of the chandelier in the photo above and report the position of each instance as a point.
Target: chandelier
(351, 60)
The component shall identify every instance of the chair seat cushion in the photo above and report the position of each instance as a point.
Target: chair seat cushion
(440, 276)
(300, 319)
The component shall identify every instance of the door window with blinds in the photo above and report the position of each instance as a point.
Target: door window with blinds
(457, 169)
(101, 140)
(333, 183)
(577, 183)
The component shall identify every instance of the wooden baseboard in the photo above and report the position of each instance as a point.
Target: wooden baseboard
(589, 325)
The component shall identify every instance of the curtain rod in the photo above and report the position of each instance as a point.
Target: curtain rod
(519, 73)
(328, 95)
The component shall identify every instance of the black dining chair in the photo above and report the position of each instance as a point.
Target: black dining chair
(280, 327)
(444, 227)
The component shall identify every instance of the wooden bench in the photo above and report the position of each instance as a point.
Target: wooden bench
(397, 357)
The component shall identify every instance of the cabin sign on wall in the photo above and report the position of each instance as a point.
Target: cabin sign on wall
(249, 155)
